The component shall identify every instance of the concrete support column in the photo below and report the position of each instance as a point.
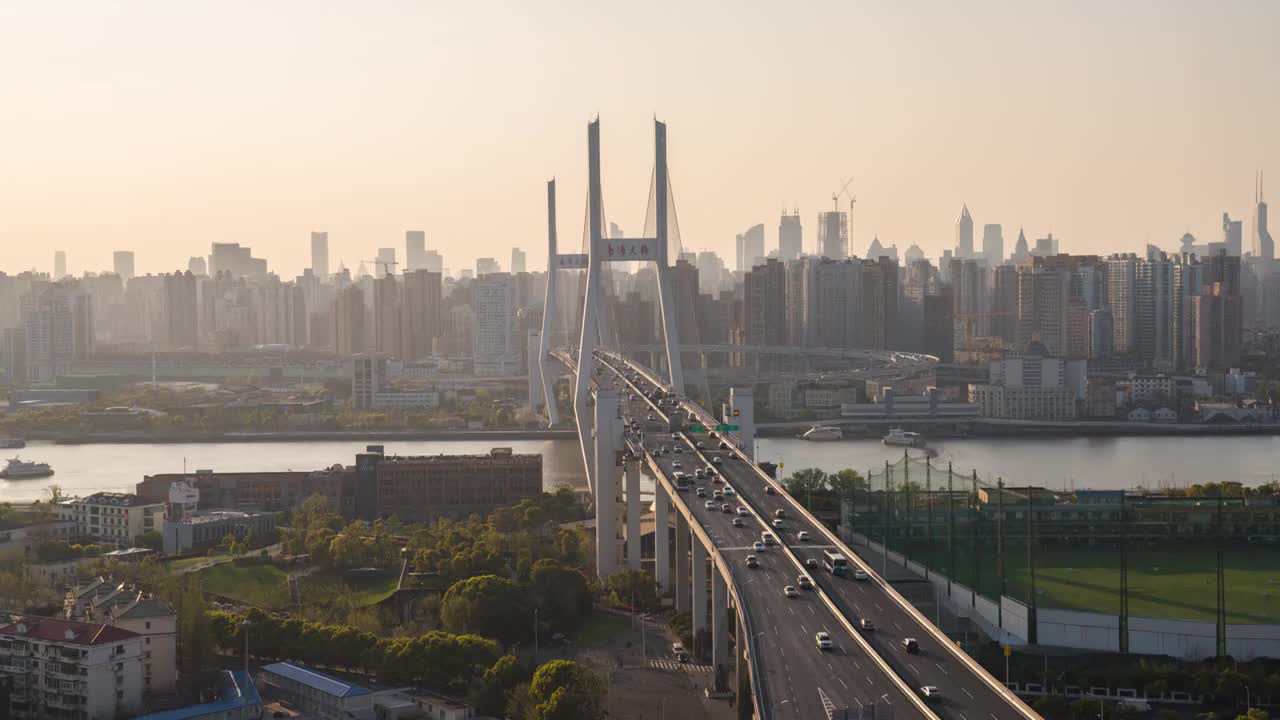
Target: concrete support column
(661, 539)
(607, 442)
(719, 619)
(742, 677)
(537, 394)
(699, 587)
(743, 415)
(682, 563)
(632, 474)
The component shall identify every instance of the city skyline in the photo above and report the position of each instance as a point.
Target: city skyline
(1108, 147)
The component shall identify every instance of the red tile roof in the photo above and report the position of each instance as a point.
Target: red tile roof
(67, 631)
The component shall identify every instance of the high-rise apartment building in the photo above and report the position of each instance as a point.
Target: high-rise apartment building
(833, 234)
(517, 260)
(235, 260)
(1042, 300)
(836, 313)
(420, 313)
(59, 264)
(386, 316)
(880, 303)
(433, 261)
(494, 351)
(993, 244)
(66, 669)
(750, 247)
(347, 319)
(415, 250)
(802, 301)
(197, 266)
(57, 325)
(386, 262)
(122, 264)
(1003, 322)
(487, 266)
(1153, 310)
(1122, 299)
(765, 304)
(320, 254)
(181, 311)
(964, 234)
(938, 323)
(790, 237)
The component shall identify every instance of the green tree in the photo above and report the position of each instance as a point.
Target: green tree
(1231, 686)
(195, 632)
(846, 482)
(151, 539)
(1255, 714)
(566, 690)
(561, 594)
(631, 586)
(801, 482)
(486, 605)
(1053, 707)
(497, 684)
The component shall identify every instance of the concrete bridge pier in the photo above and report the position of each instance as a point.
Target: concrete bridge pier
(661, 540)
(719, 622)
(608, 444)
(631, 473)
(699, 588)
(682, 563)
(740, 411)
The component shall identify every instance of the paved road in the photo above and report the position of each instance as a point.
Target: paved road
(966, 696)
(793, 668)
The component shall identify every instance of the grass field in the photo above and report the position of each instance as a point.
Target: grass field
(266, 586)
(1165, 580)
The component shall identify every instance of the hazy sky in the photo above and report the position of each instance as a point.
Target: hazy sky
(163, 126)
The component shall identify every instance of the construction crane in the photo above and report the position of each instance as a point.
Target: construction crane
(387, 266)
(835, 204)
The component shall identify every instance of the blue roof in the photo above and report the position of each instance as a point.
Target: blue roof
(237, 691)
(324, 683)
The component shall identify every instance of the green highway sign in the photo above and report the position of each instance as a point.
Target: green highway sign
(719, 428)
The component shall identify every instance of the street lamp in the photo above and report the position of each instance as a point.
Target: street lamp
(535, 637)
(244, 630)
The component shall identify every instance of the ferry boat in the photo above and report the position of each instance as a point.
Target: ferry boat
(899, 438)
(12, 443)
(19, 470)
(822, 432)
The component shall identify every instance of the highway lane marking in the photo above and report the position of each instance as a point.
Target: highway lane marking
(962, 717)
(857, 665)
(869, 681)
(966, 692)
(842, 682)
(944, 670)
(877, 605)
(913, 668)
(812, 611)
(898, 626)
(992, 716)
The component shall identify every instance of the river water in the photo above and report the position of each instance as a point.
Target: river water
(1110, 463)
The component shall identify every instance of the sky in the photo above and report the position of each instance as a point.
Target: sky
(163, 126)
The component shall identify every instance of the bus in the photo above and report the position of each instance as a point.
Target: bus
(682, 481)
(835, 562)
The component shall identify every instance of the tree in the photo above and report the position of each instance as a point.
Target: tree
(1231, 686)
(54, 492)
(151, 539)
(846, 482)
(1053, 707)
(486, 605)
(195, 633)
(560, 593)
(631, 586)
(1255, 714)
(497, 683)
(801, 482)
(565, 690)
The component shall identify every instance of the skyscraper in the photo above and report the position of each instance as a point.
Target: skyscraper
(1021, 253)
(415, 250)
(833, 234)
(1264, 248)
(964, 234)
(1122, 297)
(420, 315)
(122, 264)
(765, 304)
(493, 352)
(57, 328)
(750, 247)
(1232, 235)
(487, 266)
(386, 315)
(790, 237)
(347, 318)
(993, 244)
(59, 264)
(517, 260)
(320, 254)
(433, 261)
(386, 264)
(181, 311)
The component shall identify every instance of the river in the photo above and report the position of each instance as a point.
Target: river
(1109, 463)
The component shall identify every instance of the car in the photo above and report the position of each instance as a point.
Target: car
(768, 490)
(709, 505)
(777, 524)
(930, 692)
(860, 575)
(758, 546)
(650, 417)
(717, 480)
(804, 582)
(911, 646)
(726, 508)
(811, 563)
(711, 471)
(779, 513)
(716, 460)
(699, 444)
(739, 522)
(680, 654)
(711, 434)
(677, 450)
(632, 396)
(769, 538)
(866, 624)
(700, 492)
(675, 464)
(675, 436)
(752, 562)
(723, 445)
(729, 491)
(822, 639)
(790, 591)
(802, 536)
(742, 511)
(699, 473)
(718, 494)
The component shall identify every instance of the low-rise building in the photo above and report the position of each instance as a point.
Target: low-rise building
(237, 698)
(18, 539)
(320, 695)
(68, 669)
(110, 517)
(415, 704)
(207, 528)
(429, 487)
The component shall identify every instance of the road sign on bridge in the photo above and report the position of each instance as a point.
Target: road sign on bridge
(718, 428)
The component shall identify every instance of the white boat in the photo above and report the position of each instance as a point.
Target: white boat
(19, 470)
(11, 443)
(822, 432)
(900, 438)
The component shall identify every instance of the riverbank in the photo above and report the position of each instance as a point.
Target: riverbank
(372, 436)
(997, 428)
